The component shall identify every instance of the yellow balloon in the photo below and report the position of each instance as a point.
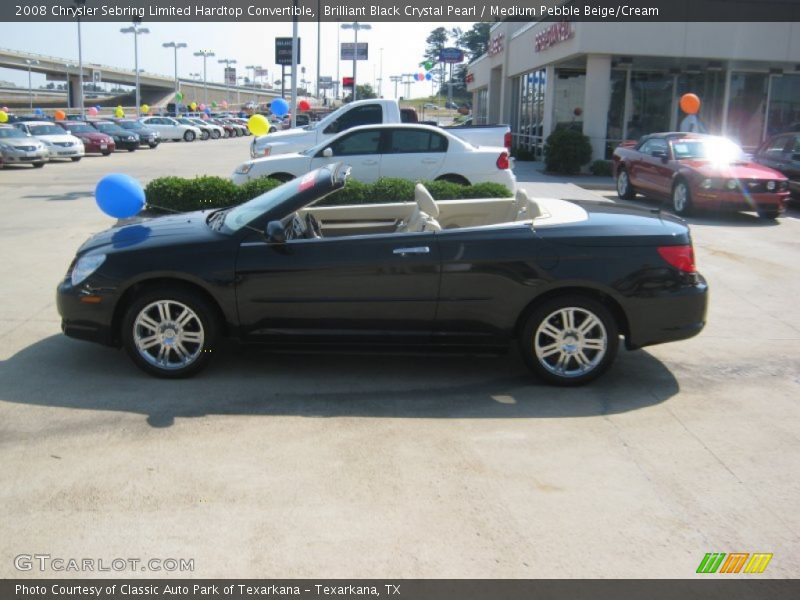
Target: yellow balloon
(258, 125)
(145, 108)
(3, 116)
(119, 113)
(193, 106)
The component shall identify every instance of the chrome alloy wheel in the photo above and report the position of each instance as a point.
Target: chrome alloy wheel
(168, 334)
(622, 183)
(570, 342)
(680, 197)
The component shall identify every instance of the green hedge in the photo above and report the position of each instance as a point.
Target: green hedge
(566, 151)
(167, 194)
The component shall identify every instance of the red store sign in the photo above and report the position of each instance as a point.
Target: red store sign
(552, 35)
(495, 45)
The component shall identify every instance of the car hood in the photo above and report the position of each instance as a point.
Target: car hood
(53, 139)
(93, 137)
(170, 230)
(609, 224)
(734, 170)
(287, 135)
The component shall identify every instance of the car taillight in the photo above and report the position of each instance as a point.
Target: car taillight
(502, 161)
(507, 140)
(680, 257)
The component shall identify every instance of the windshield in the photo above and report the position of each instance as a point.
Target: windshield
(331, 117)
(11, 133)
(185, 122)
(80, 128)
(245, 213)
(46, 130)
(717, 150)
(131, 125)
(110, 128)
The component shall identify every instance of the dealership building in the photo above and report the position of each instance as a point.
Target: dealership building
(618, 81)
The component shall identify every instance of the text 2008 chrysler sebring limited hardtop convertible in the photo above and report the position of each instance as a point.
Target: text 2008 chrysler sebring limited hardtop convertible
(563, 279)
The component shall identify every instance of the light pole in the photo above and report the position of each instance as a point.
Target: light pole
(205, 54)
(256, 69)
(136, 29)
(356, 26)
(79, 4)
(67, 68)
(30, 63)
(227, 62)
(395, 79)
(176, 46)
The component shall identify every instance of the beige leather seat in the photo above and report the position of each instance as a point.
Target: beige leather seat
(424, 216)
(526, 209)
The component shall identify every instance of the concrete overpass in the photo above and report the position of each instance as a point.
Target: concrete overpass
(155, 89)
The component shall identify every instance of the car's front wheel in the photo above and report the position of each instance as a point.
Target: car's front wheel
(624, 188)
(38, 165)
(215, 135)
(170, 332)
(76, 158)
(569, 340)
(681, 198)
(189, 136)
(769, 213)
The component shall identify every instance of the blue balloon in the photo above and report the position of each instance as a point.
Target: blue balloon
(279, 107)
(119, 196)
(38, 111)
(428, 76)
(207, 111)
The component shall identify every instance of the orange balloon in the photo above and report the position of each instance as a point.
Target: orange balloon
(60, 115)
(690, 104)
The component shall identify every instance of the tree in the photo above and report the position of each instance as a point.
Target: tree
(436, 40)
(365, 92)
(475, 41)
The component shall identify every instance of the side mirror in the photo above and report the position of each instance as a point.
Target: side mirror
(328, 152)
(659, 153)
(275, 232)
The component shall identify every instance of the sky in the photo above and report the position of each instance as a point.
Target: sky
(249, 43)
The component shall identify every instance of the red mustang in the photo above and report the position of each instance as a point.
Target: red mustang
(698, 171)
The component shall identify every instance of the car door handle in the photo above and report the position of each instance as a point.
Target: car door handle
(414, 250)
(370, 162)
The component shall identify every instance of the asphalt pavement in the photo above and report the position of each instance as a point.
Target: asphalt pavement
(356, 465)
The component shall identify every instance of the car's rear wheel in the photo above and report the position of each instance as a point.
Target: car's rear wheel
(170, 332)
(453, 179)
(153, 145)
(624, 188)
(204, 136)
(189, 136)
(569, 340)
(681, 198)
(769, 213)
(215, 134)
(38, 165)
(106, 153)
(76, 158)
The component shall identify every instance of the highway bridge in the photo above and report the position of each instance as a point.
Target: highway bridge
(155, 89)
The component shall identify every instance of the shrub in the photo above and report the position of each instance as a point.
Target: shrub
(168, 194)
(566, 151)
(601, 168)
(522, 153)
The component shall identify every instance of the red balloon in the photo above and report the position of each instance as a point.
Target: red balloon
(304, 105)
(690, 104)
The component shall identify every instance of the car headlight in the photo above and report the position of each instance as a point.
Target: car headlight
(706, 184)
(244, 168)
(731, 184)
(771, 186)
(85, 266)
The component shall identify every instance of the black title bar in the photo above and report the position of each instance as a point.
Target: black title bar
(404, 10)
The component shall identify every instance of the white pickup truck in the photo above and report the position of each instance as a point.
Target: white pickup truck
(366, 112)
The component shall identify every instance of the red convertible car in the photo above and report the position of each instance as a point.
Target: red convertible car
(698, 171)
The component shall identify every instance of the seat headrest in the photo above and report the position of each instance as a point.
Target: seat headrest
(521, 199)
(425, 201)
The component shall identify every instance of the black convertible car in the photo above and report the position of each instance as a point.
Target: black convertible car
(562, 279)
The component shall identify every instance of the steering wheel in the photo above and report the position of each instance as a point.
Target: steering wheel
(313, 230)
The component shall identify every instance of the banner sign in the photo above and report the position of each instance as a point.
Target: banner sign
(348, 49)
(283, 51)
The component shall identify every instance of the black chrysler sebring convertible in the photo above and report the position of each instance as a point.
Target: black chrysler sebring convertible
(562, 279)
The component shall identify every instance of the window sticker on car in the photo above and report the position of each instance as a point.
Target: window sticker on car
(680, 148)
(307, 182)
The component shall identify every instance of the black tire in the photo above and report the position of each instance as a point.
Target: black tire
(272, 129)
(681, 198)
(131, 149)
(189, 136)
(106, 153)
(239, 133)
(38, 165)
(215, 134)
(624, 188)
(227, 134)
(203, 325)
(76, 158)
(544, 352)
(282, 177)
(451, 178)
(769, 214)
(204, 136)
(153, 146)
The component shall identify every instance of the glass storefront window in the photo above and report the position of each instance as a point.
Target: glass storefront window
(570, 94)
(747, 108)
(784, 104)
(481, 107)
(528, 93)
(616, 111)
(710, 88)
(651, 103)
